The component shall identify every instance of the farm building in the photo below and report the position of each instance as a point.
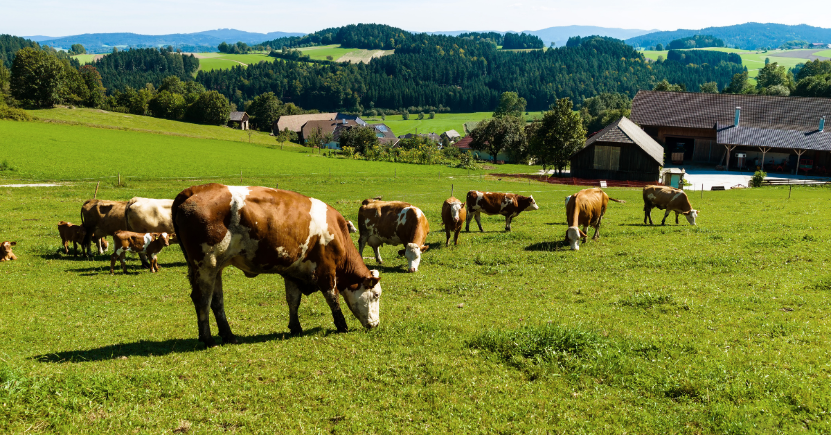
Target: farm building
(239, 119)
(621, 151)
(463, 145)
(295, 123)
(738, 131)
(451, 136)
(324, 128)
(384, 134)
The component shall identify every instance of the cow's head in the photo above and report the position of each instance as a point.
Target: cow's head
(364, 300)
(691, 215)
(573, 235)
(163, 237)
(413, 253)
(455, 208)
(527, 203)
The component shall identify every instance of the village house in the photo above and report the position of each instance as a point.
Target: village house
(238, 119)
(621, 151)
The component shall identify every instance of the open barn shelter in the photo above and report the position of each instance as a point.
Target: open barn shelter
(621, 151)
(738, 132)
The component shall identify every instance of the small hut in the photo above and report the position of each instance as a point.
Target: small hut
(239, 118)
(621, 151)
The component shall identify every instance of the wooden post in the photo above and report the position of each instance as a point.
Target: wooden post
(240, 176)
(764, 151)
(119, 179)
(799, 154)
(96, 190)
(730, 149)
(451, 190)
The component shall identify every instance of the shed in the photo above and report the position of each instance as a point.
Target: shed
(621, 151)
(240, 118)
(451, 136)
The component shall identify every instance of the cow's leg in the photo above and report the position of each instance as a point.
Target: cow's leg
(447, 232)
(202, 285)
(144, 263)
(218, 307)
(478, 217)
(666, 214)
(361, 246)
(456, 235)
(508, 222)
(330, 293)
(99, 246)
(676, 218)
(647, 214)
(75, 246)
(467, 221)
(377, 249)
(112, 263)
(123, 259)
(585, 229)
(293, 295)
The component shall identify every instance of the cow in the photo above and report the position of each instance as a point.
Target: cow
(74, 234)
(101, 218)
(147, 215)
(506, 204)
(669, 199)
(263, 230)
(585, 208)
(351, 227)
(453, 214)
(149, 244)
(6, 253)
(393, 223)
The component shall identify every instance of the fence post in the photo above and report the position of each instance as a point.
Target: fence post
(451, 190)
(240, 176)
(119, 179)
(96, 190)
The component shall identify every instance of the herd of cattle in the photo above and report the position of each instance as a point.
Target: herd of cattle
(262, 230)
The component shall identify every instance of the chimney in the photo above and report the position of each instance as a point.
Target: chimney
(822, 124)
(738, 116)
(344, 121)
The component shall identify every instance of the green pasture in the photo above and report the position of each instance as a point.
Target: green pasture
(84, 58)
(824, 53)
(320, 52)
(212, 61)
(717, 328)
(441, 123)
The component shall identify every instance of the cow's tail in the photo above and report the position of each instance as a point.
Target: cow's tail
(180, 198)
(617, 200)
(87, 232)
(126, 214)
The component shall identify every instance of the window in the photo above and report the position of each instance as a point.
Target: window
(606, 158)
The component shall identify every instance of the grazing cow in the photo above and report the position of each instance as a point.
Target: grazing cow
(506, 204)
(100, 219)
(351, 227)
(453, 213)
(393, 223)
(669, 199)
(6, 253)
(585, 208)
(149, 244)
(147, 215)
(264, 230)
(74, 234)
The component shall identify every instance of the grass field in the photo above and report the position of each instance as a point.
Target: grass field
(824, 53)
(212, 61)
(84, 58)
(441, 123)
(320, 53)
(718, 328)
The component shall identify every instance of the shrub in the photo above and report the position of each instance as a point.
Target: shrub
(758, 178)
(14, 114)
(6, 166)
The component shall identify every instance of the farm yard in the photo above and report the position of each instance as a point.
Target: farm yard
(714, 328)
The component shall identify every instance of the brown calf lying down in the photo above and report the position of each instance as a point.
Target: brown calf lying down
(6, 251)
(669, 199)
(149, 244)
(506, 204)
(585, 208)
(453, 214)
(74, 234)
(393, 223)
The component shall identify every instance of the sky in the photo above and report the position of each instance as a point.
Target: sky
(64, 18)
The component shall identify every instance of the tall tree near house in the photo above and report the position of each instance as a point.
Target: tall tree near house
(708, 88)
(510, 104)
(264, 110)
(773, 75)
(358, 137)
(506, 133)
(557, 136)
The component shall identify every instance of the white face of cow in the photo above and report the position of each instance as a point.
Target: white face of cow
(455, 208)
(533, 205)
(573, 237)
(365, 303)
(413, 254)
(691, 216)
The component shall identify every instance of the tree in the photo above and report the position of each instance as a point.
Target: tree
(739, 85)
(559, 135)
(264, 110)
(664, 85)
(37, 79)
(95, 89)
(5, 78)
(659, 47)
(167, 105)
(708, 88)
(432, 115)
(315, 139)
(599, 111)
(495, 135)
(510, 104)
(77, 49)
(172, 84)
(405, 115)
(773, 75)
(420, 116)
(210, 108)
(287, 136)
(358, 137)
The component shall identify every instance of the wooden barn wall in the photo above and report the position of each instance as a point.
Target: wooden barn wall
(634, 164)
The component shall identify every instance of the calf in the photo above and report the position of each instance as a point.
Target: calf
(74, 234)
(669, 199)
(394, 223)
(6, 253)
(585, 208)
(506, 204)
(149, 244)
(453, 213)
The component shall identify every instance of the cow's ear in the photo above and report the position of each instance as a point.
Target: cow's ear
(13, 243)
(582, 234)
(424, 248)
(372, 280)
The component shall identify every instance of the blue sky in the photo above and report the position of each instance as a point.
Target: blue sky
(62, 18)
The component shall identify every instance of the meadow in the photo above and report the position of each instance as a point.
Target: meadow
(321, 52)
(717, 328)
(441, 123)
(212, 61)
(753, 60)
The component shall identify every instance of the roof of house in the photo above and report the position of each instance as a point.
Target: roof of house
(238, 116)
(624, 131)
(452, 134)
(295, 122)
(325, 127)
(698, 110)
(355, 118)
(463, 143)
(774, 138)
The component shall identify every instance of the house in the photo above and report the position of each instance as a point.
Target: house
(356, 118)
(384, 134)
(463, 145)
(820, 45)
(736, 131)
(295, 123)
(324, 128)
(621, 151)
(239, 118)
(451, 136)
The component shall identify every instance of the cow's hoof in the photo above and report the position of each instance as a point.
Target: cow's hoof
(412, 270)
(230, 340)
(295, 331)
(209, 343)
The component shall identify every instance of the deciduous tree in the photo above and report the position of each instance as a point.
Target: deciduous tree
(506, 133)
(210, 108)
(510, 104)
(559, 135)
(358, 137)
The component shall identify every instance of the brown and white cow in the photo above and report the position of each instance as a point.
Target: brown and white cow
(6, 253)
(669, 199)
(101, 218)
(506, 204)
(393, 223)
(148, 244)
(585, 208)
(263, 230)
(74, 234)
(148, 215)
(453, 214)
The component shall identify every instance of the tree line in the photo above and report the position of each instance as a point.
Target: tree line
(695, 41)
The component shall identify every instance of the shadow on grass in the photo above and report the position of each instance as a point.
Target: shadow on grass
(157, 348)
(548, 246)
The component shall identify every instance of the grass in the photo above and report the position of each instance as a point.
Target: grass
(321, 52)
(441, 123)
(212, 61)
(84, 58)
(824, 53)
(718, 328)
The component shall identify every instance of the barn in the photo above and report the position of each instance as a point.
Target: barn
(621, 151)
(240, 119)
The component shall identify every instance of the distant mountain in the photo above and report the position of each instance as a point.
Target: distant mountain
(203, 41)
(749, 36)
(560, 34)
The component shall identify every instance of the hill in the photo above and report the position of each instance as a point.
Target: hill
(560, 34)
(198, 41)
(748, 36)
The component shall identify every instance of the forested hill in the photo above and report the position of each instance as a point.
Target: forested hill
(9, 46)
(462, 74)
(748, 36)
